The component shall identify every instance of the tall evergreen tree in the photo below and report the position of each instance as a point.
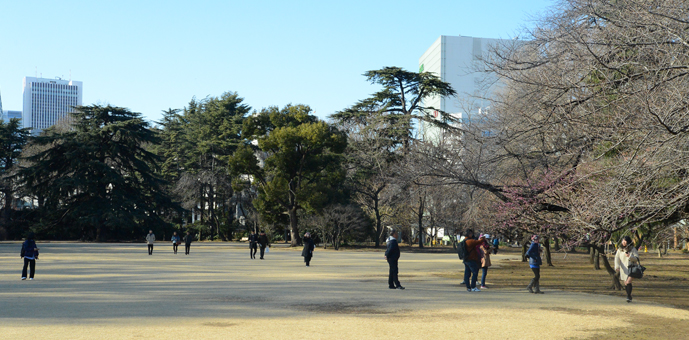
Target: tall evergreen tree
(209, 133)
(98, 176)
(12, 141)
(302, 166)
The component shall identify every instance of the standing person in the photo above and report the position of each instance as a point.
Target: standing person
(471, 260)
(485, 260)
(263, 243)
(534, 255)
(187, 242)
(461, 238)
(253, 244)
(150, 239)
(496, 245)
(626, 255)
(392, 255)
(29, 253)
(309, 246)
(175, 242)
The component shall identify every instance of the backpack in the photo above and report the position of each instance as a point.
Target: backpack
(462, 250)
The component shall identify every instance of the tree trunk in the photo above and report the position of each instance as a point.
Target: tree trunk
(596, 262)
(420, 217)
(613, 275)
(524, 249)
(548, 258)
(556, 246)
(660, 251)
(293, 223)
(379, 222)
(592, 252)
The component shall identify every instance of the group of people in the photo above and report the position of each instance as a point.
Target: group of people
(176, 241)
(474, 253)
(257, 241)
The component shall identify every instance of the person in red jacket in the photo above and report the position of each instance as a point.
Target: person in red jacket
(472, 260)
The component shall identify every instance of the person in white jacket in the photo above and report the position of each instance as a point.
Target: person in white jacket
(150, 239)
(626, 255)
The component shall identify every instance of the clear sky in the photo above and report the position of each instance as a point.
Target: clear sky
(150, 55)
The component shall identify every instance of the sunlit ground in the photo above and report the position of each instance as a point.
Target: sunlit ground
(118, 291)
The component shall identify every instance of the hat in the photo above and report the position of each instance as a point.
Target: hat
(486, 236)
(307, 235)
(535, 238)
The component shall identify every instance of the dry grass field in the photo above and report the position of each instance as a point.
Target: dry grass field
(117, 291)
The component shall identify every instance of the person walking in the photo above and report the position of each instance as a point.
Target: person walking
(150, 239)
(253, 244)
(471, 260)
(29, 253)
(534, 255)
(392, 255)
(187, 242)
(263, 243)
(309, 246)
(626, 254)
(176, 240)
(496, 245)
(485, 260)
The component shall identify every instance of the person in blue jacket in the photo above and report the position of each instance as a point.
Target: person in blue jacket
(392, 255)
(29, 253)
(176, 240)
(534, 256)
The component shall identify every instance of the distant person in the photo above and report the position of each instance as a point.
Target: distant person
(309, 246)
(485, 259)
(496, 245)
(150, 239)
(253, 245)
(187, 242)
(626, 255)
(471, 260)
(263, 243)
(535, 262)
(392, 255)
(176, 240)
(29, 253)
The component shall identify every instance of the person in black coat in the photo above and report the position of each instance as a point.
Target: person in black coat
(392, 255)
(187, 243)
(253, 244)
(263, 243)
(29, 253)
(309, 246)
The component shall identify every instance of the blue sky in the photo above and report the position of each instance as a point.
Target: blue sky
(149, 56)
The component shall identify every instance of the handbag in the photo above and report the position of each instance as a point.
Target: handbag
(636, 270)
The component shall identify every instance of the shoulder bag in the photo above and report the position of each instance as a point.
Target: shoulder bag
(636, 270)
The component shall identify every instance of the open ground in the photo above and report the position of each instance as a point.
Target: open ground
(117, 291)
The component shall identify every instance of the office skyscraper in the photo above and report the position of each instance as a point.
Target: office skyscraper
(46, 101)
(455, 60)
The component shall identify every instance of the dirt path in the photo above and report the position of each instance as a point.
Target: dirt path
(105, 291)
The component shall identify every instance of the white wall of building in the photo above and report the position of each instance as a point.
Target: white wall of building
(46, 101)
(455, 60)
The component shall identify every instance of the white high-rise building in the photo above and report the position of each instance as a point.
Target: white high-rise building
(46, 101)
(456, 59)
